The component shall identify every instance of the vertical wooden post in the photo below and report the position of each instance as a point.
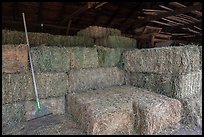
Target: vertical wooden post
(68, 27)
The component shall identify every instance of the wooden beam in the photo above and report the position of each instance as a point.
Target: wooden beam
(69, 25)
(108, 23)
(175, 12)
(40, 12)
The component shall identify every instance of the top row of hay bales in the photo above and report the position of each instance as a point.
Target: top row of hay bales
(37, 39)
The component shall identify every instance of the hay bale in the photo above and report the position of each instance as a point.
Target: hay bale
(16, 87)
(180, 60)
(84, 79)
(114, 32)
(158, 83)
(14, 58)
(70, 41)
(54, 105)
(116, 42)
(187, 85)
(84, 58)
(51, 59)
(12, 116)
(38, 39)
(52, 84)
(13, 37)
(103, 112)
(110, 57)
(200, 49)
(155, 112)
(93, 32)
(171, 85)
(192, 111)
(19, 87)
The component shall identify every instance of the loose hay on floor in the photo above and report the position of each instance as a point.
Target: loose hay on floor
(14, 58)
(116, 42)
(19, 87)
(12, 116)
(84, 58)
(51, 59)
(54, 105)
(84, 79)
(179, 60)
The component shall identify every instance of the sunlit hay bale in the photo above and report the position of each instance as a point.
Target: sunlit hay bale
(178, 60)
(82, 57)
(14, 58)
(84, 79)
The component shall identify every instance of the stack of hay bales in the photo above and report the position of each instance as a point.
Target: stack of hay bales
(38, 39)
(123, 109)
(172, 71)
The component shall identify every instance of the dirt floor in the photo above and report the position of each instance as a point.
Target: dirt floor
(63, 125)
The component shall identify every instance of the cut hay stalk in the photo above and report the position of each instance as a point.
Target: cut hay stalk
(179, 60)
(51, 59)
(84, 79)
(116, 42)
(84, 58)
(14, 58)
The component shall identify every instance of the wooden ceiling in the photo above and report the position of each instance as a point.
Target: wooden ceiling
(182, 20)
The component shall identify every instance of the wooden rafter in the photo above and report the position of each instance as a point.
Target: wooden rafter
(108, 23)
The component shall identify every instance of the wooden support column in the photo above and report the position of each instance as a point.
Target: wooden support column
(69, 25)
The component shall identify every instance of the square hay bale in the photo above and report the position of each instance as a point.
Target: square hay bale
(19, 87)
(180, 60)
(114, 32)
(16, 87)
(192, 111)
(110, 57)
(51, 59)
(188, 85)
(14, 58)
(84, 58)
(13, 37)
(70, 41)
(52, 84)
(158, 83)
(116, 42)
(85, 79)
(103, 112)
(93, 32)
(54, 105)
(38, 39)
(155, 112)
(200, 49)
(12, 116)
